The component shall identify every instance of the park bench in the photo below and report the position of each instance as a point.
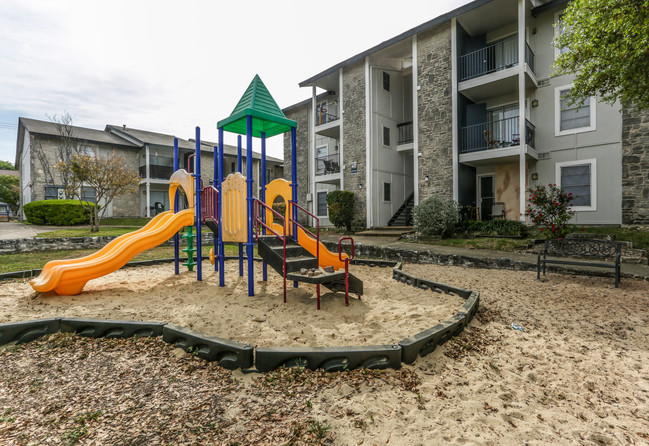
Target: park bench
(579, 252)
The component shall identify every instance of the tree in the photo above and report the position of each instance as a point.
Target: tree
(66, 148)
(6, 165)
(109, 175)
(607, 44)
(10, 192)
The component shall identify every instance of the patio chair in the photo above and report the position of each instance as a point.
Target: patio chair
(498, 210)
(489, 139)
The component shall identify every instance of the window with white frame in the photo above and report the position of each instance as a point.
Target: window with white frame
(579, 179)
(386, 136)
(572, 118)
(558, 30)
(321, 204)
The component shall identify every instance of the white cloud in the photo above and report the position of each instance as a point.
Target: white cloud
(168, 66)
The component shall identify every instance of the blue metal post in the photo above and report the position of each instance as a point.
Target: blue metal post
(294, 183)
(239, 169)
(197, 208)
(220, 257)
(264, 267)
(215, 176)
(176, 237)
(251, 282)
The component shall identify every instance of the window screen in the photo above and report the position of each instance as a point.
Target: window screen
(386, 81)
(575, 115)
(322, 204)
(386, 136)
(52, 192)
(88, 194)
(387, 192)
(576, 180)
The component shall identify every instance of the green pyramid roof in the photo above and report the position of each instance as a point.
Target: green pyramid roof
(266, 115)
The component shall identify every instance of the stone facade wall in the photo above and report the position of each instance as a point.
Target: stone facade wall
(354, 140)
(635, 167)
(434, 66)
(128, 205)
(301, 116)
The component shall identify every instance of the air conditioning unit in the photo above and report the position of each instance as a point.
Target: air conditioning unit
(61, 194)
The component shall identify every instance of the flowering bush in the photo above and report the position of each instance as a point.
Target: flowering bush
(550, 210)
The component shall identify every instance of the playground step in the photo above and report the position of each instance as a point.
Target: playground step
(213, 225)
(334, 281)
(296, 256)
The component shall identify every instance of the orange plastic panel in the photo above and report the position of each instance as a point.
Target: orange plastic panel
(282, 188)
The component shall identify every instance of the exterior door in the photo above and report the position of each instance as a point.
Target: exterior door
(487, 196)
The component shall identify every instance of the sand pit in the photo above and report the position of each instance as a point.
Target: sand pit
(388, 312)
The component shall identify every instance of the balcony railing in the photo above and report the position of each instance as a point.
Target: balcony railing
(495, 57)
(157, 172)
(326, 165)
(326, 113)
(404, 131)
(495, 135)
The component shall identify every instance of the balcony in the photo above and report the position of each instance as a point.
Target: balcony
(404, 133)
(326, 113)
(494, 135)
(327, 165)
(495, 57)
(157, 172)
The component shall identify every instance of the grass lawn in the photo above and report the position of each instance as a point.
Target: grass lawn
(36, 260)
(85, 232)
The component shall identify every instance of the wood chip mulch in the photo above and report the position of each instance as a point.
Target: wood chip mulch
(66, 389)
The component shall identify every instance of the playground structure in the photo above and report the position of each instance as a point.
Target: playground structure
(232, 213)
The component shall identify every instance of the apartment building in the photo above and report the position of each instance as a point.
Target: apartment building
(150, 153)
(466, 106)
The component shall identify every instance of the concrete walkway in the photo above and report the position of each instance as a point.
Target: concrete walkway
(629, 269)
(13, 230)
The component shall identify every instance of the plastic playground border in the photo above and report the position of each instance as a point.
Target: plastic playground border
(232, 355)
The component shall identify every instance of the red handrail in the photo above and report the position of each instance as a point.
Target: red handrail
(317, 226)
(258, 210)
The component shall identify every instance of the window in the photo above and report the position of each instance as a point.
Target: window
(578, 178)
(503, 124)
(233, 167)
(52, 192)
(386, 192)
(572, 118)
(558, 30)
(88, 194)
(321, 211)
(386, 136)
(386, 81)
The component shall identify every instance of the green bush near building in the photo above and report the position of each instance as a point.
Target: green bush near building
(56, 212)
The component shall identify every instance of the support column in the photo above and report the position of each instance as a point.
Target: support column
(220, 257)
(521, 109)
(341, 143)
(147, 181)
(240, 170)
(262, 194)
(368, 145)
(197, 208)
(454, 118)
(175, 209)
(415, 120)
(249, 181)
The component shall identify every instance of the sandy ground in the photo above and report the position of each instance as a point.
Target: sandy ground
(577, 374)
(387, 312)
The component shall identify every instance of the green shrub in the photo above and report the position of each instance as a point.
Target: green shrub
(340, 204)
(436, 217)
(56, 212)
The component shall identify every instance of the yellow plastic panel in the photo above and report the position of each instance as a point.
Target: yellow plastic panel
(186, 181)
(234, 211)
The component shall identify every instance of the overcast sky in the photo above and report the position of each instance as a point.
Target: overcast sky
(169, 66)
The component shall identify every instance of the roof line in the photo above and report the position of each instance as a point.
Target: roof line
(554, 3)
(411, 32)
(117, 132)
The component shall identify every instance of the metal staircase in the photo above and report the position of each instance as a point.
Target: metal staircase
(291, 260)
(403, 216)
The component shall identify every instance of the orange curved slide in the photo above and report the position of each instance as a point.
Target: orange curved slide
(68, 277)
(326, 257)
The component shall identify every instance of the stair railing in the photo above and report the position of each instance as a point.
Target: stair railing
(346, 260)
(258, 222)
(317, 227)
